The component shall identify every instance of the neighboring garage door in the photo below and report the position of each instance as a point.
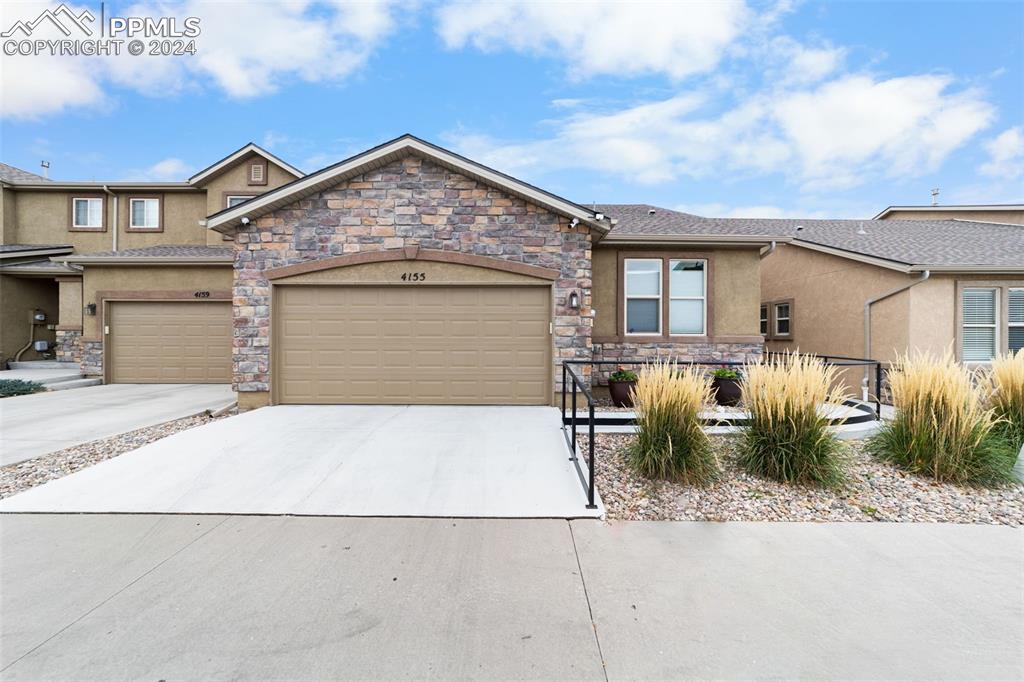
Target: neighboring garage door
(412, 345)
(170, 342)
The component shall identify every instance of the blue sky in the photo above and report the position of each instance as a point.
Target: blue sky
(759, 108)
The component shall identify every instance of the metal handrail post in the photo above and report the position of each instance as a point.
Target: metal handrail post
(590, 489)
(574, 418)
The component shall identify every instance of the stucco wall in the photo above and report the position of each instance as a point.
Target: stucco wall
(43, 218)
(828, 295)
(19, 296)
(234, 181)
(1016, 217)
(70, 302)
(181, 216)
(408, 202)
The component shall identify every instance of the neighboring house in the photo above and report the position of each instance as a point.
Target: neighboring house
(110, 260)
(878, 288)
(984, 213)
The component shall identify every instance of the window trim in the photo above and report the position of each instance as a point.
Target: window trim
(1002, 286)
(262, 163)
(776, 334)
(765, 309)
(71, 212)
(703, 299)
(663, 336)
(128, 227)
(1009, 324)
(227, 196)
(994, 325)
(644, 297)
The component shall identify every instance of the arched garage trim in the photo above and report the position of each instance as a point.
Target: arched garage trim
(412, 253)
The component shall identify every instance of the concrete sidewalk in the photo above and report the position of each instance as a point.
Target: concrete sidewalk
(97, 597)
(34, 425)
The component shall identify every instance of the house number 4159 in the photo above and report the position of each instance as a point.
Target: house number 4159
(414, 276)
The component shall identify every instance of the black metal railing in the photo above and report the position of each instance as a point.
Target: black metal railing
(589, 483)
(573, 385)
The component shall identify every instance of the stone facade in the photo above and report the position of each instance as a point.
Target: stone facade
(681, 352)
(68, 347)
(406, 203)
(92, 358)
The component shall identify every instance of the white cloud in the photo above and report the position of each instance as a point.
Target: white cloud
(1006, 155)
(799, 64)
(168, 170)
(677, 39)
(832, 135)
(245, 50)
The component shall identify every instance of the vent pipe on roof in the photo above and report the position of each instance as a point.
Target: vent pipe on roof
(45, 165)
(935, 197)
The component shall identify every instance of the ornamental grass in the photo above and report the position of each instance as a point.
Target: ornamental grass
(788, 437)
(1006, 399)
(670, 441)
(942, 428)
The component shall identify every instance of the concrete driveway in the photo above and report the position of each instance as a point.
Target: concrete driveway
(34, 425)
(96, 597)
(339, 460)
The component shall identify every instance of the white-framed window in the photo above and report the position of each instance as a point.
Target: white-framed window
(783, 319)
(979, 315)
(144, 214)
(764, 319)
(236, 199)
(1015, 320)
(687, 300)
(87, 213)
(643, 295)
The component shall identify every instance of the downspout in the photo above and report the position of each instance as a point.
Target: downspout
(867, 326)
(107, 190)
(767, 252)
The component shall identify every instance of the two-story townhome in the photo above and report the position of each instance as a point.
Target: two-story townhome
(81, 261)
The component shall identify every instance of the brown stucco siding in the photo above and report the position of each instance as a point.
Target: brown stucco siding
(180, 216)
(234, 181)
(1015, 217)
(19, 297)
(408, 203)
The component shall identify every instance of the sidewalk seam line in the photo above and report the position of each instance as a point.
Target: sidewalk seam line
(586, 595)
(119, 591)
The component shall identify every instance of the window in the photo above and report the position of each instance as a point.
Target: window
(258, 173)
(144, 214)
(764, 319)
(87, 213)
(643, 296)
(1015, 320)
(686, 305)
(236, 199)
(783, 323)
(979, 314)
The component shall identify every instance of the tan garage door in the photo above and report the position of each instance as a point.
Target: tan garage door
(170, 342)
(412, 345)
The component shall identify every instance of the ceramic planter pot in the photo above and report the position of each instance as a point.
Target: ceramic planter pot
(727, 391)
(621, 392)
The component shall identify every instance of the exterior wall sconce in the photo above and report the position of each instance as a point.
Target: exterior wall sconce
(90, 309)
(574, 300)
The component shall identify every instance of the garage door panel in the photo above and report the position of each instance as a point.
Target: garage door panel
(169, 342)
(456, 345)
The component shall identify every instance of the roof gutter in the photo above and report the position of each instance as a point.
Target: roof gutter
(729, 239)
(767, 252)
(867, 325)
(146, 260)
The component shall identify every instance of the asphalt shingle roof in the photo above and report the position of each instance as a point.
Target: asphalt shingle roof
(950, 243)
(14, 248)
(40, 265)
(16, 176)
(166, 251)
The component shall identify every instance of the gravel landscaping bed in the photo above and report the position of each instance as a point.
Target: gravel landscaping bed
(876, 491)
(15, 478)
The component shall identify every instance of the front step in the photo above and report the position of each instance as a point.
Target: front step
(45, 364)
(77, 383)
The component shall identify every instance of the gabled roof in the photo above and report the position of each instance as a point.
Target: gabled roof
(388, 152)
(18, 176)
(953, 208)
(231, 158)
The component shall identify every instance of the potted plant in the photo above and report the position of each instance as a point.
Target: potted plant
(620, 386)
(726, 386)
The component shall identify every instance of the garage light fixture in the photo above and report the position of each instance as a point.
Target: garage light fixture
(574, 300)
(90, 309)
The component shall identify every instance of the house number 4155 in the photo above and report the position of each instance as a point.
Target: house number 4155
(414, 276)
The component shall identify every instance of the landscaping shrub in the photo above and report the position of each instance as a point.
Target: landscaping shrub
(12, 387)
(670, 441)
(788, 437)
(942, 428)
(1007, 397)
